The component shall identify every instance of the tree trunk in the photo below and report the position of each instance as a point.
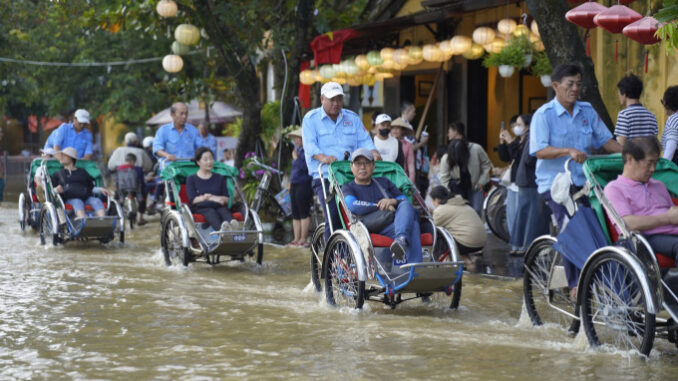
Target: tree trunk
(563, 45)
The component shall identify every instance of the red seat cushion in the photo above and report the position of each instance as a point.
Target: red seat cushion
(200, 218)
(662, 260)
(238, 217)
(87, 207)
(427, 239)
(384, 241)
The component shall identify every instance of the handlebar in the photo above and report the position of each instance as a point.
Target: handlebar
(264, 166)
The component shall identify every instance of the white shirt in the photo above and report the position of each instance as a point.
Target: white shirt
(388, 149)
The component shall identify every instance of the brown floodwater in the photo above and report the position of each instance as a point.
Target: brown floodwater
(92, 311)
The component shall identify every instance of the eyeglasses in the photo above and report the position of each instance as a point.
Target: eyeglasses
(362, 163)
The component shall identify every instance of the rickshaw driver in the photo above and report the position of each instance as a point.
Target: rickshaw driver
(644, 203)
(367, 195)
(176, 140)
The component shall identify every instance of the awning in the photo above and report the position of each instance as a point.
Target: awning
(46, 124)
(219, 113)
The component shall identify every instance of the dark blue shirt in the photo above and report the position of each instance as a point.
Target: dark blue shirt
(299, 172)
(195, 186)
(363, 199)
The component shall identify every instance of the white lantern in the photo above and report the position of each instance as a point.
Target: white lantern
(339, 70)
(432, 53)
(474, 53)
(400, 57)
(387, 54)
(166, 8)
(506, 26)
(172, 63)
(179, 48)
(307, 77)
(388, 64)
(326, 71)
(483, 35)
(446, 47)
(495, 46)
(461, 44)
(350, 68)
(535, 28)
(187, 34)
(361, 62)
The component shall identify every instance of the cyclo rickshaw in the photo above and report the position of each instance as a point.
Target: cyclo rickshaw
(185, 239)
(29, 201)
(626, 293)
(57, 222)
(356, 265)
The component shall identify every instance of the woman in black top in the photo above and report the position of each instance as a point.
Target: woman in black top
(76, 186)
(207, 192)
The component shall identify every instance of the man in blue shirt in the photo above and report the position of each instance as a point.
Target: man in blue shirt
(74, 135)
(566, 128)
(205, 139)
(367, 195)
(329, 132)
(177, 140)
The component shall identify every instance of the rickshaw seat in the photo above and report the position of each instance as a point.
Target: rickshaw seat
(199, 217)
(384, 241)
(88, 208)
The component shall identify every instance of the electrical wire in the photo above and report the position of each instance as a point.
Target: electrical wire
(86, 64)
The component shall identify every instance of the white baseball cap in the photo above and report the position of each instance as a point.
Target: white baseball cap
(82, 116)
(381, 118)
(148, 141)
(331, 90)
(131, 138)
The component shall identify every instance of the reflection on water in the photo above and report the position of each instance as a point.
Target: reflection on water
(89, 311)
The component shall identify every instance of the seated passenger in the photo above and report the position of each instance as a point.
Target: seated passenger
(644, 203)
(207, 193)
(366, 195)
(76, 186)
(129, 179)
(455, 214)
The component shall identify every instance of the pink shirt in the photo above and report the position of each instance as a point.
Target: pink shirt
(630, 197)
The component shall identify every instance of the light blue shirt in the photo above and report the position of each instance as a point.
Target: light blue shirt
(49, 143)
(65, 136)
(210, 142)
(553, 126)
(182, 145)
(323, 135)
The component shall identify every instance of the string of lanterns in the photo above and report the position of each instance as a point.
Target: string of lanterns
(185, 35)
(376, 65)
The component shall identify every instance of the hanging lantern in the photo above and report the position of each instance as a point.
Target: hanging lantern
(172, 63)
(483, 35)
(166, 8)
(539, 45)
(383, 75)
(521, 30)
(180, 49)
(415, 53)
(353, 82)
(339, 70)
(316, 76)
(307, 77)
(446, 48)
(507, 26)
(187, 34)
(400, 67)
(432, 53)
(474, 53)
(350, 68)
(326, 71)
(339, 80)
(374, 58)
(388, 64)
(495, 46)
(584, 14)
(400, 57)
(535, 28)
(387, 54)
(615, 18)
(461, 44)
(369, 80)
(643, 30)
(361, 62)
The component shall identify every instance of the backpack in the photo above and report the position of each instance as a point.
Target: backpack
(127, 179)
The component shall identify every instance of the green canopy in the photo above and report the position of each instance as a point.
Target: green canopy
(340, 172)
(607, 168)
(178, 171)
(53, 165)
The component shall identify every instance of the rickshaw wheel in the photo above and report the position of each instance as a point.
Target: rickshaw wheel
(317, 250)
(456, 295)
(260, 253)
(342, 286)
(23, 212)
(47, 231)
(495, 213)
(538, 262)
(172, 248)
(614, 307)
(441, 253)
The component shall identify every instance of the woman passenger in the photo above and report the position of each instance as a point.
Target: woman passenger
(453, 213)
(76, 186)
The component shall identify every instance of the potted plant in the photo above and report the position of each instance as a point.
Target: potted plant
(510, 57)
(542, 69)
(523, 43)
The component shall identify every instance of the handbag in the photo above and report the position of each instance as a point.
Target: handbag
(378, 220)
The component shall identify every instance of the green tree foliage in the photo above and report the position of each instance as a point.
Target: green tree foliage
(669, 31)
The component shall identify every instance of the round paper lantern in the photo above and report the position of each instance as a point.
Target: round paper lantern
(400, 57)
(615, 18)
(584, 14)
(535, 28)
(483, 35)
(339, 70)
(446, 48)
(495, 46)
(643, 30)
(461, 44)
(172, 63)
(307, 77)
(474, 53)
(361, 62)
(350, 68)
(432, 53)
(415, 53)
(507, 26)
(339, 80)
(374, 58)
(166, 8)
(369, 80)
(387, 54)
(382, 76)
(353, 82)
(317, 76)
(539, 46)
(179, 48)
(388, 64)
(187, 34)
(521, 30)
(326, 71)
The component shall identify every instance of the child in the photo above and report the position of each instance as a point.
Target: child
(130, 180)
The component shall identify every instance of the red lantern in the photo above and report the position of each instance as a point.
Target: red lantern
(584, 14)
(643, 30)
(615, 18)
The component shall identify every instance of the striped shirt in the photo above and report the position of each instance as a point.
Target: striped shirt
(635, 121)
(670, 134)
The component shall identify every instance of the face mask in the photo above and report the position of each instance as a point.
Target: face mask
(384, 132)
(518, 130)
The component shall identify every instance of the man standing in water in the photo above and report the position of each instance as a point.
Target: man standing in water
(176, 140)
(329, 132)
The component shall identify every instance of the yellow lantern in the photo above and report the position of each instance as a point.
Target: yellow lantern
(506, 26)
(307, 77)
(539, 46)
(316, 76)
(446, 48)
(521, 30)
(432, 53)
(180, 49)
(172, 63)
(415, 53)
(535, 28)
(495, 46)
(374, 58)
(534, 38)
(398, 66)
(339, 80)
(339, 70)
(461, 44)
(361, 62)
(166, 8)
(400, 57)
(326, 71)
(388, 64)
(476, 51)
(187, 34)
(353, 82)
(350, 67)
(387, 54)
(483, 35)
(369, 80)
(382, 76)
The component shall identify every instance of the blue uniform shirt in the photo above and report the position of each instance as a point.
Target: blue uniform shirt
(323, 135)
(182, 145)
(66, 136)
(553, 126)
(210, 142)
(49, 143)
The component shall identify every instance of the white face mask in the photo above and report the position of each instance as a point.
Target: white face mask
(518, 130)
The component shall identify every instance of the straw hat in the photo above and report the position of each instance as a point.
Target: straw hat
(400, 122)
(296, 133)
(70, 152)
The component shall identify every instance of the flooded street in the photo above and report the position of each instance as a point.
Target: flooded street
(91, 311)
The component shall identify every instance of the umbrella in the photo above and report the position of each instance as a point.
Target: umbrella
(219, 112)
(581, 237)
